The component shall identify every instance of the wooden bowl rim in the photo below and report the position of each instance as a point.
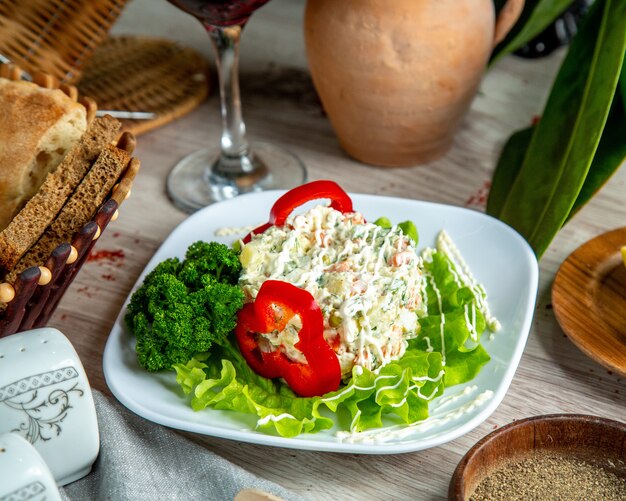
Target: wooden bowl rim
(585, 331)
(457, 482)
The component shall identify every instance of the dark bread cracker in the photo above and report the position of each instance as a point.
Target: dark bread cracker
(79, 208)
(31, 222)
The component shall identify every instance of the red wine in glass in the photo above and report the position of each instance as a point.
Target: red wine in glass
(220, 12)
(232, 167)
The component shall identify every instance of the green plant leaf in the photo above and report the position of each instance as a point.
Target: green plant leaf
(536, 17)
(565, 140)
(609, 156)
(622, 83)
(508, 168)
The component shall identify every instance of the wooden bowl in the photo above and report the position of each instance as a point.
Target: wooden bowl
(591, 438)
(589, 298)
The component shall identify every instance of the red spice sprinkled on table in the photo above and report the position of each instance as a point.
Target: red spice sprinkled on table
(110, 278)
(536, 119)
(85, 291)
(116, 234)
(479, 198)
(105, 255)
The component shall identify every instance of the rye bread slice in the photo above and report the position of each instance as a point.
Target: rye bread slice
(31, 222)
(79, 209)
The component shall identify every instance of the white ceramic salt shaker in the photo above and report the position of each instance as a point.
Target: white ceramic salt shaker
(23, 472)
(45, 397)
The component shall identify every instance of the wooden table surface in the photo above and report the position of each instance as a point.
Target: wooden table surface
(280, 105)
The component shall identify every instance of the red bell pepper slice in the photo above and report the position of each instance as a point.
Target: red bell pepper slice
(285, 205)
(276, 303)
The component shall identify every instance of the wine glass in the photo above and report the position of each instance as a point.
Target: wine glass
(234, 167)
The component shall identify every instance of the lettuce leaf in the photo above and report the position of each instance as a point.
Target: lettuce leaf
(454, 321)
(407, 227)
(401, 390)
(446, 352)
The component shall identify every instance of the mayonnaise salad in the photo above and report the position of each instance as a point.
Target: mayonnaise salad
(366, 279)
(404, 326)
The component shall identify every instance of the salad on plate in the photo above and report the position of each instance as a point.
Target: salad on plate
(314, 320)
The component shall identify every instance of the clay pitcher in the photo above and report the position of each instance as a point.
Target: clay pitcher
(396, 77)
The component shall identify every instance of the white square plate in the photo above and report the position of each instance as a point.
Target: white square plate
(498, 256)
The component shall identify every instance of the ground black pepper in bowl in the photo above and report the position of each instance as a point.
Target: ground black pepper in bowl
(551, 476)
(552, 457)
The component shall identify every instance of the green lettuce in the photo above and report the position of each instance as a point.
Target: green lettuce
(407, 227)
(464, 321)
(401, 391)
(397, 393)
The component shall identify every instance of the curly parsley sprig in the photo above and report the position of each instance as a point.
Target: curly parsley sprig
(183, 308)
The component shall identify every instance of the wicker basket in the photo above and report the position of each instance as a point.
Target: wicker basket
(146, 74)
(55, 36)
(67, 39)
(33, 303)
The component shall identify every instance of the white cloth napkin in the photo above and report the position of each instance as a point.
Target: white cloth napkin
(140, 460)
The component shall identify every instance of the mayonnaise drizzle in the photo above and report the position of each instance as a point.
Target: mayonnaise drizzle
(442, 316)
(390, 433)
(422, 396)
(274, 418)
(381, 435)
(427, 378)
(353, 250)
(447, 246)
(429, 347)
(450, 399)
(471, 324)
(385, 388)
(355, 420)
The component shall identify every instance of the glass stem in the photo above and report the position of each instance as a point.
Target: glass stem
(233, 159)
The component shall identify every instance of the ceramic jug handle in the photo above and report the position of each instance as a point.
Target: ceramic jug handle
(506, 19)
